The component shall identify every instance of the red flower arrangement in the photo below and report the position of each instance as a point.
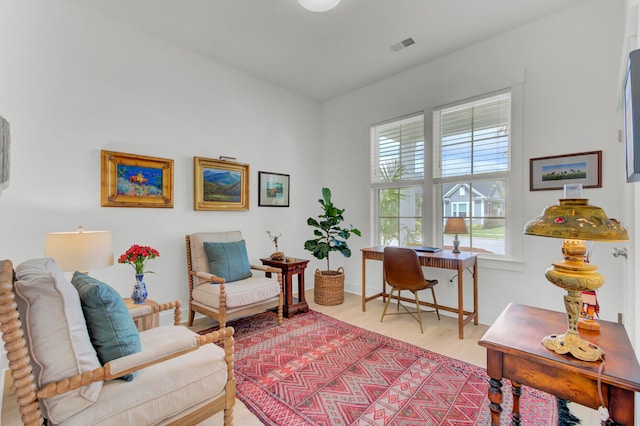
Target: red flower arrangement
(138, 256)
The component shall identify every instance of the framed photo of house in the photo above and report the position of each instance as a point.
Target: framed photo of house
(546, 173)
(130, 180)
(220, 185)
(273, 189)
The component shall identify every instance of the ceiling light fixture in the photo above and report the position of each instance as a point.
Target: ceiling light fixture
(319, 5)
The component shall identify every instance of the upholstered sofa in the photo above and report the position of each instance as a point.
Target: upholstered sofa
(70, 345)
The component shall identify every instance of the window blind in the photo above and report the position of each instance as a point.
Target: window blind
(399, 151)
(474, 137)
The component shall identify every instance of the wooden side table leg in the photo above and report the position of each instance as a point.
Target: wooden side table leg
(495, 400)
(516, 390)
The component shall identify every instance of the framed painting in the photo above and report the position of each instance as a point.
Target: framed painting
(130, 180)
(546, 173)
(220, 185)
(273, 189)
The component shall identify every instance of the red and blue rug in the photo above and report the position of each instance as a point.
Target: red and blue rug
(317, 370)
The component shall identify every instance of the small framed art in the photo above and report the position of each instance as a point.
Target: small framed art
(130, 180)
(220, 185)
(273, 189)
(546, 173)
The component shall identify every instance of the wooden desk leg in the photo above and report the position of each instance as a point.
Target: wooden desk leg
(495, 401)
(301, 298)
(475, 291)
(621, 405)
(364, 283)
(460, 303)
(516, 390)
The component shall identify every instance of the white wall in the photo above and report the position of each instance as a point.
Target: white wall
(569, 63)
(73, 83)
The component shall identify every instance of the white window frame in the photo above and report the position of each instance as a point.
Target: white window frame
(432, 211)
(513, 179)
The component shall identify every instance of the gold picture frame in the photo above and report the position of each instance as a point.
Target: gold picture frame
(130, 180)
(220, 185)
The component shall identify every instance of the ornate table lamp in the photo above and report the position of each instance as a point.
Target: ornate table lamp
(575, 221)
(80, 250)
(455, 225)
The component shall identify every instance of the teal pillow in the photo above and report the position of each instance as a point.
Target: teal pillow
(228, 260)
(111, 328)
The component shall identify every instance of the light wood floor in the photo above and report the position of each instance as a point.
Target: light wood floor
(439, 336)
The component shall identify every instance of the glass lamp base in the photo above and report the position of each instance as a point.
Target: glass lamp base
(574, 344)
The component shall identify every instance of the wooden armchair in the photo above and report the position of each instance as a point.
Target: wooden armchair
(181, 378)
(230, 290)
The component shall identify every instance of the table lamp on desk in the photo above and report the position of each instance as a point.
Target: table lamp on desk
(456, 225)
(80, 250)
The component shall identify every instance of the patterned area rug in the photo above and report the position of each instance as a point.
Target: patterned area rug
(317, 370)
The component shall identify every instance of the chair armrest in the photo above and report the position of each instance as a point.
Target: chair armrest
(159, 351)
(207, 276)
(266, 268)
(144, 310)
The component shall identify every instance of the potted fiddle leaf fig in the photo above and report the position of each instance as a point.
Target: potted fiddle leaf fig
(330, 236)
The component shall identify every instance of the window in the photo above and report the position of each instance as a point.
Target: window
(471, 170)
(468, 175)
(397, 179)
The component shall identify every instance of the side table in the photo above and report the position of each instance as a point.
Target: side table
(142, 322)
(514, 352)
(290, 266)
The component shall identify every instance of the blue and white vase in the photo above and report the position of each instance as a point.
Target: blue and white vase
(139, 294)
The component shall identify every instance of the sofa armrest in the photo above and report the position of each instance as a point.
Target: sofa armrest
(158, 348)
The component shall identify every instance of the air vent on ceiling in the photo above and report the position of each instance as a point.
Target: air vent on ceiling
(404, 43)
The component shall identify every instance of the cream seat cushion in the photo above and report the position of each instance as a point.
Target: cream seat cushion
(160, 392)
(251, 290)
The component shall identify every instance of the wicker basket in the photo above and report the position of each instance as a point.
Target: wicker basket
(328, 287)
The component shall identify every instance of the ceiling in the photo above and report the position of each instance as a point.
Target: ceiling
(324, 55)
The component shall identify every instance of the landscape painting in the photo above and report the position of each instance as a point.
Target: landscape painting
(564, 171)
(220, 185)
(553, 172)
(130, 180)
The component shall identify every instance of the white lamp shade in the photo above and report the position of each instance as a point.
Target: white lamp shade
(319, 5)
(80, 250)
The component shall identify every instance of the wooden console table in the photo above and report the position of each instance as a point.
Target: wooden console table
(514, 352)
(290, 266)
(443, 260)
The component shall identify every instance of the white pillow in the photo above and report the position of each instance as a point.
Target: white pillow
(56, 334)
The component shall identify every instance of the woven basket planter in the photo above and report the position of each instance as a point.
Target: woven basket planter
(328, 288)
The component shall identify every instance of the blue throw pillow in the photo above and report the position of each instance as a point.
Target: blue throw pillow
(228, 260)
(111, 328)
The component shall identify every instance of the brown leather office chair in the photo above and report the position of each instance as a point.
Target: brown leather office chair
(402, 271)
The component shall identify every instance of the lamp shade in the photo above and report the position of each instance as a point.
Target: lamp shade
(80, 250)
(455, 225)
(575, 219)
(319, 5)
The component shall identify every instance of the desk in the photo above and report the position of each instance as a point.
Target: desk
(442, 260)
(290, 266)
(145, 322)
(514, 351)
